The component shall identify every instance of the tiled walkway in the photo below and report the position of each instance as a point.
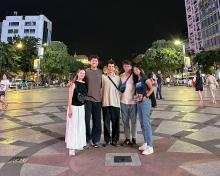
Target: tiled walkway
(187, 139)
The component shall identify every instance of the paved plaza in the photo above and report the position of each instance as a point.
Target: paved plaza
(186, 139)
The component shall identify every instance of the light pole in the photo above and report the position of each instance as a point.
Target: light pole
(181, 43)
(40, 55)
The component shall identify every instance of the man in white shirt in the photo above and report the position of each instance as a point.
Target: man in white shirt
(111, 105)
(128, 104)
(4, 84)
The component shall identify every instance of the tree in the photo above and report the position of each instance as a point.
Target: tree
(8, 59)
(56, 60)
(163, 55)
(208, 60)
(27, 52)
(75, 65)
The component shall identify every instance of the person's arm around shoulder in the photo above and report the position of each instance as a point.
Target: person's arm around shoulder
(71, 91)
(150, 87)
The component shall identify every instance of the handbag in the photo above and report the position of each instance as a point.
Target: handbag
(122, 86)
(81, 97)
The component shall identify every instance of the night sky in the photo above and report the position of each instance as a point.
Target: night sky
(118, 28)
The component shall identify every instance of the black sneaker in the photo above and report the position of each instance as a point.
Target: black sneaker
(95, 145)
(105, 144)
(127, 142)
(134, 141)
(115, 144)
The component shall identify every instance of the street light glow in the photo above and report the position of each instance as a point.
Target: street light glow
(19, 45)
(177, 42)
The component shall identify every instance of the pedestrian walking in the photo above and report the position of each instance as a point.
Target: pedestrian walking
(199, 85)
(144, 89)
(159, 85)
(212, 84)
(168, 81)
(75, 124)
(4, 85)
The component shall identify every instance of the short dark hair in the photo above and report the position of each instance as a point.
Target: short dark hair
(93, 56)
(126, 62)
(111, 61)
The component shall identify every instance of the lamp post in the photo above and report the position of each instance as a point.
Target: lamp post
(40, 55)
(181, 43)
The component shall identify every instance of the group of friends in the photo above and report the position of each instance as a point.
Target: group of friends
(127, 96)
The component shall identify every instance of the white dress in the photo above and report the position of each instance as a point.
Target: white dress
(75, 129)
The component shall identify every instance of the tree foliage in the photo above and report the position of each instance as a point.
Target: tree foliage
(75, 65)
(208, 60)
(27, 53)
(164, 56)
(8, 59)
(56, 60)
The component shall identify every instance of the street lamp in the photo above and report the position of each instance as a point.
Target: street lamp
(19, 45)
(177, 42)
(40, 56)
(181, 43)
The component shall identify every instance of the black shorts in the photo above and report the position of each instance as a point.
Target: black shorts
(2, 93)
(199, 89)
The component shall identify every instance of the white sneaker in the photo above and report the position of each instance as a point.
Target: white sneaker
(143, 147)
(72, 152)
(148, 151)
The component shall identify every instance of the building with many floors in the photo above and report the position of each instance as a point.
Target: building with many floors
(203, 20)
(194, 25)
(34, 26)
(210, 22)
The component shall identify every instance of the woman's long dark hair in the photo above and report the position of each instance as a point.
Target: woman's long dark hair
(198, 74)
(135, 77)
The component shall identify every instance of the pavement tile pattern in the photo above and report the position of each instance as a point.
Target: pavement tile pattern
(186, 134)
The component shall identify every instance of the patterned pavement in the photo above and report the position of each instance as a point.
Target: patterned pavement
(187, 139)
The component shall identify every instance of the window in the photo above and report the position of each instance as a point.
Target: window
(29, 31)
(13, 23)
(16, 31)
(30, 23)
(13, 31)
(27, 23)
(32, 31)
(10, 31)
(26, 31)
(9, 39)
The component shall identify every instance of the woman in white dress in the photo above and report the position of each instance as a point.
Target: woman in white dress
(212, 83)
(75, 124)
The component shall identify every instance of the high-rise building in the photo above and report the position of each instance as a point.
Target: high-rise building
(34, 26)
(0, 28)
(194, 25)
(210, 22)
(203, 20)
